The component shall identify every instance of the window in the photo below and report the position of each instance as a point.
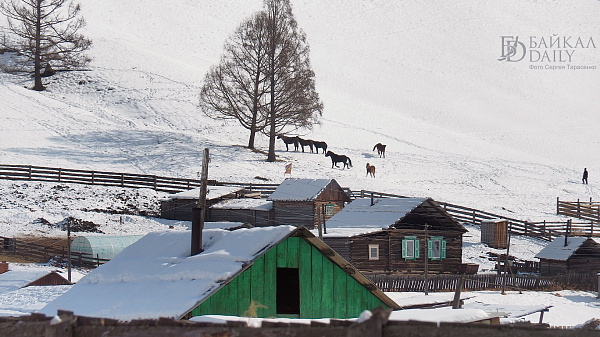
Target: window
(410, 248)
(288, 291)
(436, 248)
(373, 252)
(329, 209)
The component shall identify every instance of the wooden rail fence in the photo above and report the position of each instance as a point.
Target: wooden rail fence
(103, 178)
(586, 210)
(43, 253)
(543, 230)
(448, 282)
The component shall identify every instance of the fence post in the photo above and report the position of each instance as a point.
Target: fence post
(473, 217)
(578, 208)
(122, 179)
(92, 177)
(29, 172)
(59, 174)
(557, 210)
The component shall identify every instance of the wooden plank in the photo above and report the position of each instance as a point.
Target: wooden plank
(270, 289)
(244, 293)
(327, 295)
(317, 283)
(340, 293)
(282, 254)
(257, 275)
(305, 271)
(292, 252)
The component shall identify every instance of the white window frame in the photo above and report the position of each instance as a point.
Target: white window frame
(373, 248)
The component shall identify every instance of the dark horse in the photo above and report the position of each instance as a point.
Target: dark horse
(380, 149)
(320, 145)
(336, 158)
(289, 140)
(306, 142)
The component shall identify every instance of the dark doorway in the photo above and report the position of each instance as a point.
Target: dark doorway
(288, 291)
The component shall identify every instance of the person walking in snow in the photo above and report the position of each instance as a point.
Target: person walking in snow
(585, 175)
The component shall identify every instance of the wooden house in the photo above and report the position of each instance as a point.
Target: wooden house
(397, 235)
(255, 212)
(570, 255)
(179, 206)
(305, 202)
(276, 271)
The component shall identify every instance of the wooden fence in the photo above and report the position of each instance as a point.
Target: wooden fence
(37, 252)
(103, 178)
(543, 230)
(448, 282)
(586, 210)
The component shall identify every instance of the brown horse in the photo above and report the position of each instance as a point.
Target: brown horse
(289, 140)
(306, 142)
(380, 149)
(371, 170)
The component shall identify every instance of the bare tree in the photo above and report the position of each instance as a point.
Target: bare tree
(47, 32)
(235, 89)
(294, 102)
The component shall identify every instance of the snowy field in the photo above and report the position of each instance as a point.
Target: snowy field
(421, 77)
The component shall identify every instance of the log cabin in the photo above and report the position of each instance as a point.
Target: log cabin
(397, 235)
(570, 255)
(304, 202)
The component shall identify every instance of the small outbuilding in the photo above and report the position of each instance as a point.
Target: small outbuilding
(13, 279)
(397, 235)
(179, 206)
(277, 271)
(255, 212)
(306, 202)
(570, 255)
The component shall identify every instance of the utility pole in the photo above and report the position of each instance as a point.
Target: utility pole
(506, 260)
(69, 250)
(199, 212)
(426, 261)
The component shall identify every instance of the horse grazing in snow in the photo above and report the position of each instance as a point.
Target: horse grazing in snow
(289, 140)
(370, 170)
(320, 145)
(380, 149)
(337, 158)
(306, 142)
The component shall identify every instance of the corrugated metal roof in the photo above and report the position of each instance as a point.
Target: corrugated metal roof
(556, 250)
(296, 189)
(382, 214)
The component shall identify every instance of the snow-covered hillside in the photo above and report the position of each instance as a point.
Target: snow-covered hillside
(422, 77)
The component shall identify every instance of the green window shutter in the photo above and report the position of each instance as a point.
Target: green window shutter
(416, 249)
(404, 249)
(429, 248)
(443, 253)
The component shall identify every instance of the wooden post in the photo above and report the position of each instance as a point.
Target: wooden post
(473, 217)
(557, 202)
(69, 250)
(506, 260)
(324, 218)
(199, 212)
(578, 208)
(426, 255)
(459, 284)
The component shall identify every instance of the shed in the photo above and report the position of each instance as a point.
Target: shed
(302, 202)
(570, 255)
(494, 233)
(278, 271)
(256, 212)
(21, 278)
(179, 206)
(388, 235)
(102, 246)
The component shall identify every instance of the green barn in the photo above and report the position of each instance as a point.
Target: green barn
(300, 277)
(267, 272)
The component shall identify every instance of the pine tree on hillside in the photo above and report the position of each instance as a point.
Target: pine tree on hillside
(47, 33)
(236, 87)
(265, 79)
(293, 101)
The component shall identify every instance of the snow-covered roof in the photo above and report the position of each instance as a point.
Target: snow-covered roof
(382, 214)
(214, 192)
(156, 276)
(246, 203)
(556, 250)
(296, 189)
(15, 279)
